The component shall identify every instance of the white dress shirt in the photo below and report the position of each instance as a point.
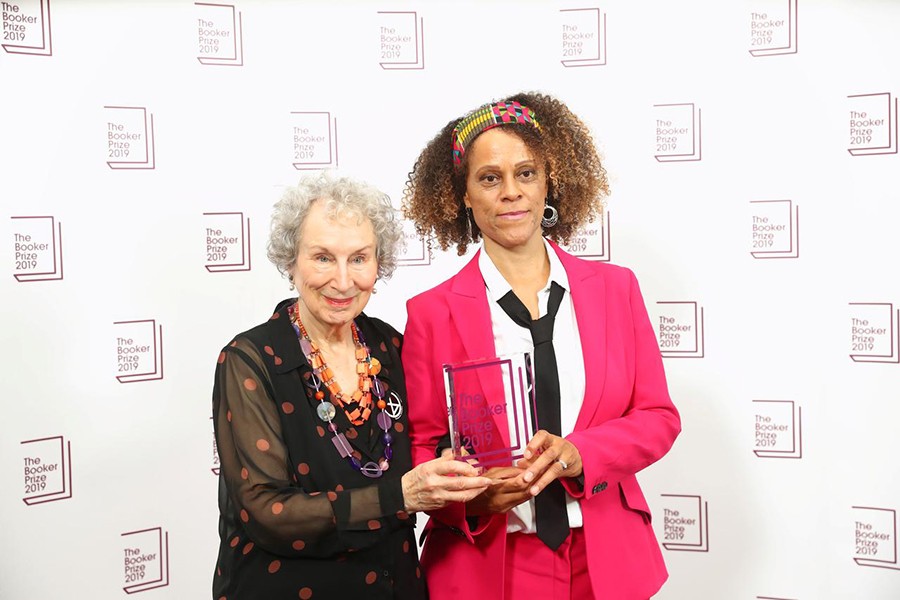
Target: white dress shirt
(511, 338)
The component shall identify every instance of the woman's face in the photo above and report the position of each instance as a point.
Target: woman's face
(336, 267)
(506, 187)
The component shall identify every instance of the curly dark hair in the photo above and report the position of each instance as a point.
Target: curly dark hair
(577, 183)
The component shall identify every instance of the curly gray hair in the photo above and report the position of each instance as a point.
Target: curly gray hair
(341, 195)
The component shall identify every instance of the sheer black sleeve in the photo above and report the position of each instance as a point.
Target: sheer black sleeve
(256, 486)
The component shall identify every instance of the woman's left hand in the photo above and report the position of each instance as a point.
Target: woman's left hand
(548, 457)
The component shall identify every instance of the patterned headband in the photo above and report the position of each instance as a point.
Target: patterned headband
(488, 117)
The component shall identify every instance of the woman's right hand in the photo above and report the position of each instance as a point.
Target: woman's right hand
(507, 490)
(436, 483)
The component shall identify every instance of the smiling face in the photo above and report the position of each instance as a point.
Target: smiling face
(335, 269)
(506, 187)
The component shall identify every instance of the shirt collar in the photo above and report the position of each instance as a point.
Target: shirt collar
(496, 284)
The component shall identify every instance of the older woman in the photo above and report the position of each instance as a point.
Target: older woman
(316, 495)
(569, 519)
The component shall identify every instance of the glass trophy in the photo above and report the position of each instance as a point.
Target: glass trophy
(491, 408)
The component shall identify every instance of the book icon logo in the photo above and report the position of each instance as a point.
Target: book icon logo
(146, 559)
(130, 142)
(875, 537)
(680, 329)
(37, 249)
(874, 332)
(873, 124)
(47, 468)
(314, 140)
(777, 429)
(592, 241)
(227, 242)
(583, 37)
(401, 40)
(26, 27)
(685, 523)
(415, 249)
(773, 27)
(774, 229)
(220, 37)
(139, 354)
(677, 129)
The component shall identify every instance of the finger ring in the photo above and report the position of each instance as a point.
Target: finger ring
(563, 463)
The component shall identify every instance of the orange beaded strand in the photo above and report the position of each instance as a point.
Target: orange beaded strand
(366, 365)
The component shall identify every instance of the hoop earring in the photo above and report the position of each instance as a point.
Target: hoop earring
(469, 223)
(548, 222)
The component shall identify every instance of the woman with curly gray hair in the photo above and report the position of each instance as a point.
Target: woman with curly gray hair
(317, 494)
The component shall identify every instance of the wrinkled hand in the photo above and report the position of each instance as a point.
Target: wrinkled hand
(438, 482)
(506, 491)
(540, 462)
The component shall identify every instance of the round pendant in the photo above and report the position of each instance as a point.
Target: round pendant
(371, 469)
(394, 407)
(326, 411)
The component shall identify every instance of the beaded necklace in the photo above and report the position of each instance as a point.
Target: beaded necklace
(359, 407)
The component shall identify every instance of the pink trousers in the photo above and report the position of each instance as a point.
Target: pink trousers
(533, 570)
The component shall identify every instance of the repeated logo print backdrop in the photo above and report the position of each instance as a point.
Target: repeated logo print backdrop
(752, 148)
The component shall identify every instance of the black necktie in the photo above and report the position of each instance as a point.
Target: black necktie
(550, 505)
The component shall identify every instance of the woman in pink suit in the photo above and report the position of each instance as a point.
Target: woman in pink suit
(568, 520)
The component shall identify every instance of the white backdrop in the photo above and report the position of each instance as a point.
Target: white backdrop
(752, 149)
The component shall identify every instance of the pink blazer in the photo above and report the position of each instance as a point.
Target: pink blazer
(627, 422)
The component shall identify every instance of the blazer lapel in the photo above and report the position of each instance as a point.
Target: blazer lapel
(470, 313)
(588, 296)
(471, 318)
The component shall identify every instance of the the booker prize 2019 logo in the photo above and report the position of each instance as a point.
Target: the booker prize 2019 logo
(583, 37)
(129, 141)
(37, 249)
(774, 229)
(139, 354)
(875, 537)
(773, 27)
(685, 523)
(679, 329)
(592, 241)
(777, 429)
(872, 124)
(220, 39)
(313, 140)
(874, 332)
(47, 468)
(146, 559)
(401, 40)
(677, 133)
(26, 27)
(227, 241)
(415, 249)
